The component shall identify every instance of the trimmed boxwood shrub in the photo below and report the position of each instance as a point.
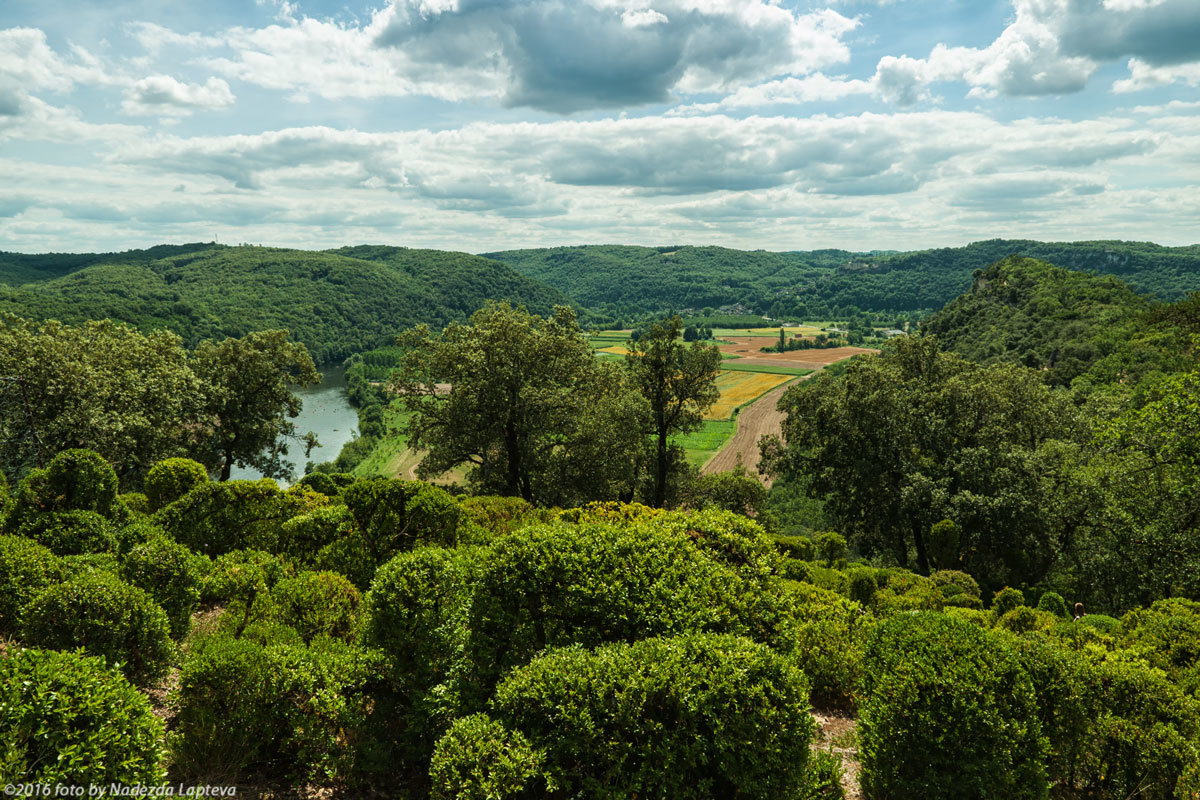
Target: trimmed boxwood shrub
(798, 547)
(25, 569)
(554, 585)
(958, 589)
(695, 716)
(831, 548)
(480, 759)
(1053, 603)
(171, 574)
(74, 480)
(217, 518)
(947, 712)
(136, 503)
(302, 537)
(1006, 600)
(862, 586)
(281, 711)
(820, 631)
(317, 604)
(393, 515)
(67, 719)
(106, 617)
(171, 479)
(1109, 626)
(736, 541)
(69, 533)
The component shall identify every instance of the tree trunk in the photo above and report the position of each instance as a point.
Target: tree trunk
(512, 486)
(227, 467)
(922, 551)
(660, 474)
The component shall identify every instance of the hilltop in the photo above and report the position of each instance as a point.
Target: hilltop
(335, 302)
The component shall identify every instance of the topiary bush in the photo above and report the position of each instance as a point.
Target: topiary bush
(480, 759)
(1006, 600)
(302, 537)
(171, 574)
(74, 480)
(820, 631)
(695, 716)
(171, 479)
(1053, 603)
(317, 604)
(217, 518)
(862, 586)
(944, 539)
(501, 515)
(69, 533)
(957, 589)
(947, 712)
(239, 579)
(281, 711)
(67, 719)
(1024, 619)
(831, 548)
(798, 547)
(106, 617)
(136, 503)
(25, 569)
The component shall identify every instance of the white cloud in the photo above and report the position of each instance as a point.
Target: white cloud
(27, 62)
(1144, 76)
(549, 54)
(1054, 47)
(163, 95)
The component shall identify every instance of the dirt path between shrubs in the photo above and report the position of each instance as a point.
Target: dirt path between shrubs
(837, 733)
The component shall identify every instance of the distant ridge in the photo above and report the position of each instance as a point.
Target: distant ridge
(336, 302)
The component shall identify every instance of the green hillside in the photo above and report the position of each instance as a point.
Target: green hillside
(827, 283)
(1066, 323)
(335, 302)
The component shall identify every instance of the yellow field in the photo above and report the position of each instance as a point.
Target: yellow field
(615, 349)
(739, 388)
(795, 330)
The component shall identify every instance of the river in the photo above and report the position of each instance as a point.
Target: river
(327, 413)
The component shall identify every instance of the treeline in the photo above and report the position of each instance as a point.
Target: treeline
(140, 398)
(336, 302)
(631, 283)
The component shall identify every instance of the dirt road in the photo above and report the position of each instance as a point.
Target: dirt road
(754, 420)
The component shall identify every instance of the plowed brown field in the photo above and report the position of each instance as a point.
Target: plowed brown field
(749, 349)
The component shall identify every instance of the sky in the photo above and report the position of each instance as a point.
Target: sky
(483, 125)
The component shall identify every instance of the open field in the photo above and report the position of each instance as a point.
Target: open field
(776, 369)
(699, 446)
(392, 457)
(739, 388)
(771, 332)
(749, 348)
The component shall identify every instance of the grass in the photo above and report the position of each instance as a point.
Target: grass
(739, 387)
(699, 446)
(767, 368)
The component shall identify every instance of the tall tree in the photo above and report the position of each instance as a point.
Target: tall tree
(522, 399)
(679, 382)
(914, 436)
(103, 386)
(248, 386)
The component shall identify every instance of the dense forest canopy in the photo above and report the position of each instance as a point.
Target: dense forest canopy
(336, 302)
(821, 284)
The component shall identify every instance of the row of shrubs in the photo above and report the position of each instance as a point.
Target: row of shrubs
(386, 634)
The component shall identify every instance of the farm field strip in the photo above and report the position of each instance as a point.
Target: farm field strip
(739, 387)
(701, 445)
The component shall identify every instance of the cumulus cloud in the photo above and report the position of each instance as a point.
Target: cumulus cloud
(1054, 47)
(163, 95)
(552, 55)
(787, 91)
(1145, 76)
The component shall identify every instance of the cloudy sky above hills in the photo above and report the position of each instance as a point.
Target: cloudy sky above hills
(487, 124)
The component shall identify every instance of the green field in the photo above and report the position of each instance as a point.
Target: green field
(701, 445)
(770, 368)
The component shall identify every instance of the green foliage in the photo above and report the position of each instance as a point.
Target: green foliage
(77, 480)
(66, 719)
(1103, 623)
(172, 478)
(25, 569)
(696, 716)
(824, 779)
(104, 616)
(136, 502)
(1167, 634)
(1006, 600)
(555, 585)
(915, 436)
(129, 397)
(335, 302)
(392, 516)
(302, 537)
(317, 604)
(943, 544)
(1024, 619)
(733, 490)
(797, 547)
(957, 588)
(414, 614)
(862, 586)
(819, 630)
(501, 515)
(169, 573)
(216, 518)
(1053, 603)
(529, 408)
(830, 547)
(943, 688)
(480, 759)
(279, 710)
(69, 533)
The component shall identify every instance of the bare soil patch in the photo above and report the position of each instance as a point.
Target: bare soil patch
(750, 349)
(837, 733)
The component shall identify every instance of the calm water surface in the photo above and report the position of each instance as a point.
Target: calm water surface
(327, 413)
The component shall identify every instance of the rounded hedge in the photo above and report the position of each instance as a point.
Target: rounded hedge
(171, 479)
(947, 712)
(171, 574)
(70, 533)
(1006, 600)
(695, 716)
(317, 603)
(958, 589)
(66, 719)
(480, 759)
(74, 480)
(25, 569)
(106, 617)
(1053, 603)
(302, 537)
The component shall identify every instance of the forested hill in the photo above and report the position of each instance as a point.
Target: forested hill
(638, 280)
(1025, 311)
(19, 268)
(335, 302)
